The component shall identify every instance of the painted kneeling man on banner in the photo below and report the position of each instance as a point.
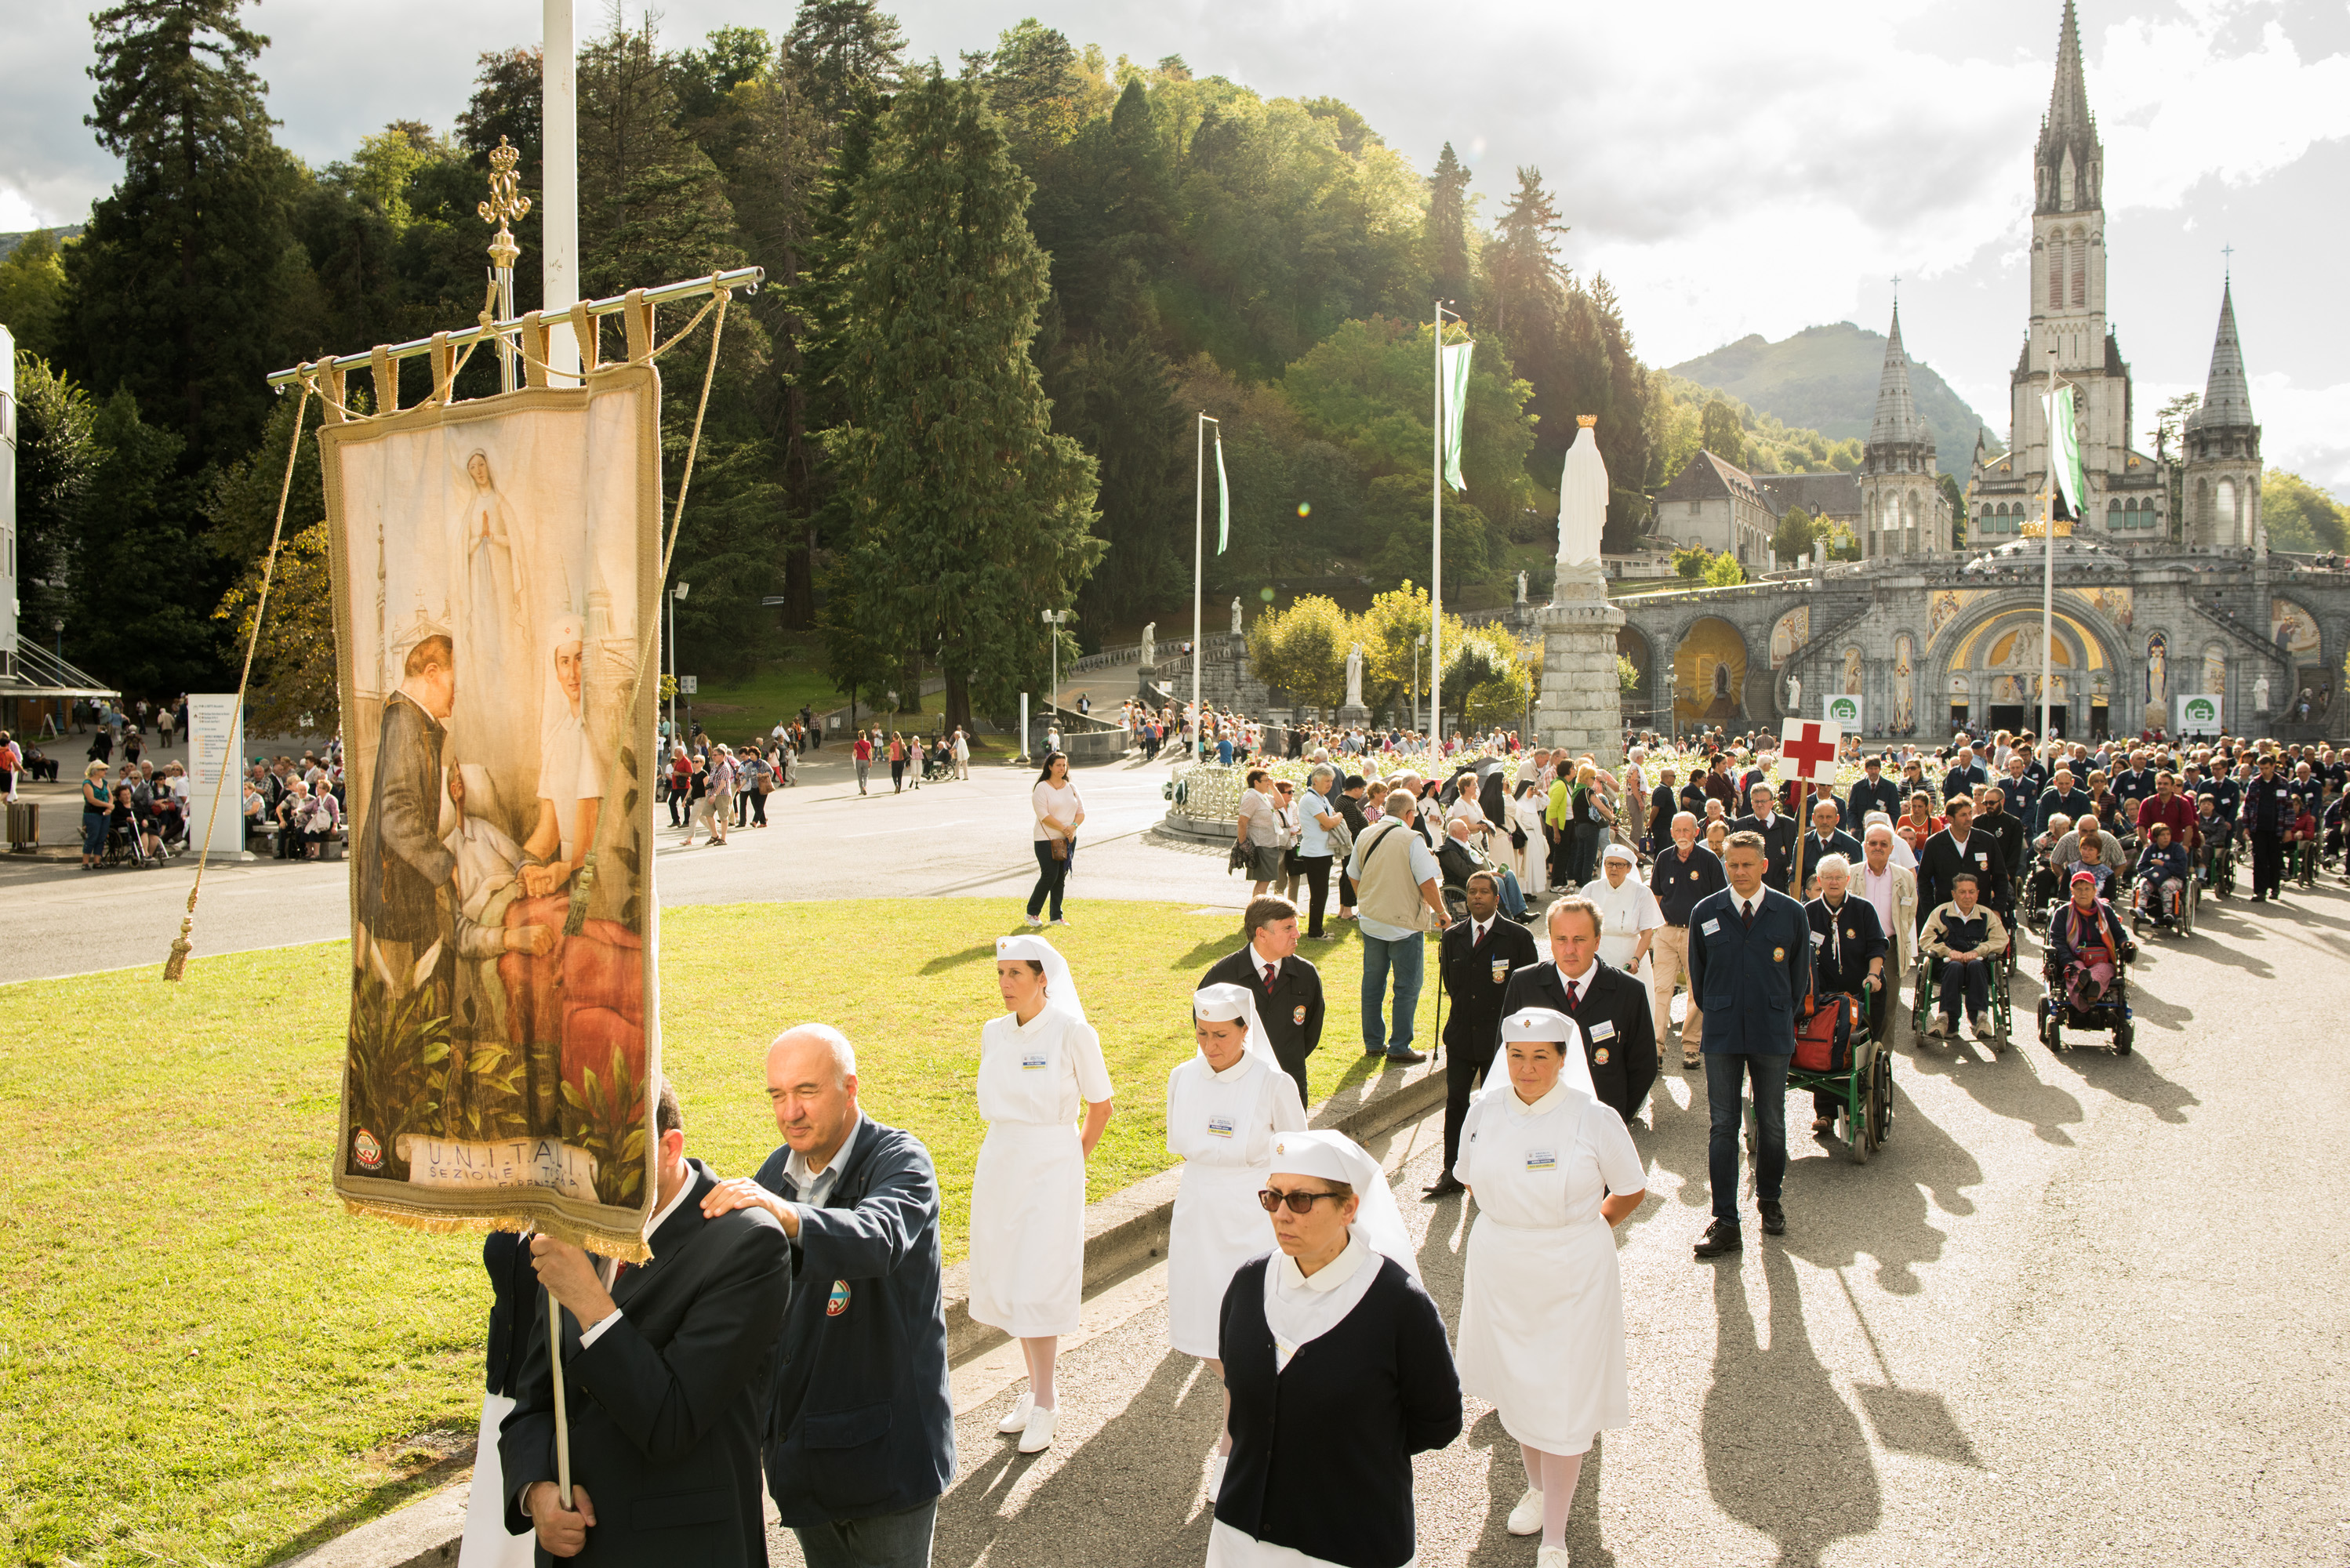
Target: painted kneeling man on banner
(403, 865)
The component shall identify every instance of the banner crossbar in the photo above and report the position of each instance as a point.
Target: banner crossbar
(747, 279)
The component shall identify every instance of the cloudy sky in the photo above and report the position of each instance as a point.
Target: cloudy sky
(1733, 168)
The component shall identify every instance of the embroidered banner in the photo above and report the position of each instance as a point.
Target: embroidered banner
(496, 565)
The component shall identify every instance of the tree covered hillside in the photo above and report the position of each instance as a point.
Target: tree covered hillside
(1825, 379)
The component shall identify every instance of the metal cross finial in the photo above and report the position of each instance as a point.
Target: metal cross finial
(506, 204)
(2229, 251)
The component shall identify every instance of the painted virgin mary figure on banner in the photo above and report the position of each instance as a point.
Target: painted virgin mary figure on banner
(493, 625)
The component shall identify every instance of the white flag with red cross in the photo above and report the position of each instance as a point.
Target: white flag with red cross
(1808, 748)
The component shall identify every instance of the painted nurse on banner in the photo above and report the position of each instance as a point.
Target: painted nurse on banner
(496, 571)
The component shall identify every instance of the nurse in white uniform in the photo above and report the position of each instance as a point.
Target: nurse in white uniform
(1223, 1108)
(1629, 917)
(1038, 1064)
(1541, 1310)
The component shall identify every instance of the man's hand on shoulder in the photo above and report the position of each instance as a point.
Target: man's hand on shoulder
(741, 1192)
(562, 1531)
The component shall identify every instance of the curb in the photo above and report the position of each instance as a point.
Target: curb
(1121, 1231)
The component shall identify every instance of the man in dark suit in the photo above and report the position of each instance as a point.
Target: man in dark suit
(1962, 847)
(1474, 962)
(860, 1432)
(403, 864)
(665, 1366)
(1610, 1007)
(1826, 838)
(1750, 965)
(1965, 776)
(1775, 828)
(2062, 798)
(1288, 989)
(1872, 792)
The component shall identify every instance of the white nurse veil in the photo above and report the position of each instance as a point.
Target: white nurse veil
(1221, 1003)
(1335, 1156)
(1548, 1023)
(1060, 985)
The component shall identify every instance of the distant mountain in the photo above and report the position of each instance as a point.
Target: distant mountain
(1826, 378)
(8, 241)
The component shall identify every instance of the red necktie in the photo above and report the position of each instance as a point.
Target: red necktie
(1574, 993)
(1269, 973)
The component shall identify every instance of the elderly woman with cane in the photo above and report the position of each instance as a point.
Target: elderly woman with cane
(1337, 1370)
(1541, 1310)
(1225, 1107)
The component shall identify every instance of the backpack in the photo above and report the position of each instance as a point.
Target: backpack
(1823, 1040)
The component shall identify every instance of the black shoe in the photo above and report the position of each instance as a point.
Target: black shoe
(1444, 1186)
(1775, 1219)
(1720, 1237)
(1371, 1051)
(1407, 1058)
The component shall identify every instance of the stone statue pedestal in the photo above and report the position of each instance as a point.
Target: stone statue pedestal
(1580, 705)
(1354, 714)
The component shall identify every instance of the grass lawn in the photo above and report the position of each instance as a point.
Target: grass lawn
(202, 1359)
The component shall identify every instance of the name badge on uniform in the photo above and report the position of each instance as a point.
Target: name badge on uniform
(1034, 1061)
(1979, 858)
(1500, 970)
(1605, 1029)
(1542, 1160)
(1708, 929)
(1220, 1127)
(1819, 938)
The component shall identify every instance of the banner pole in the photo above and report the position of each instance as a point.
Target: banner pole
(562, 1419)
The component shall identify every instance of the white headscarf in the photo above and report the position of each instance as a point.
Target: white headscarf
(1529, 1023)
(1222, 1003)
(1060, 986)
(1335, 1156)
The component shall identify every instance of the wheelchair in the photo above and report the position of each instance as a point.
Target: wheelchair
(2002, 1016)
(1865, 1118)
(2110, 1014)
(2301, 858)
(2178, 908)
(2219, 871)
(936, 767)
(2040, 889)
(125, 845)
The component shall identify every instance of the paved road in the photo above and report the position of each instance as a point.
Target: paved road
(2082, 1310)
(969, 838)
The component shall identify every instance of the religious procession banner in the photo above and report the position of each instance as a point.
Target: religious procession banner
(496, 570)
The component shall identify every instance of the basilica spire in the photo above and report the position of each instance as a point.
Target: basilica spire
(2227, 394)
(1897, 420)
(2069, 164)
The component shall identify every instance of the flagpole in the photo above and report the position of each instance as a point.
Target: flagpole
(1436, 567)
(1198, 565)
(558, 251)
(2048, 570)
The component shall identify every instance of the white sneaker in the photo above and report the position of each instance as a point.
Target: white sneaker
(1017, 1421)
(1031, 920)
(1038, 1436)
(1216, 1477)
(1526, 1518)
(1941, 1028)
(1551, 1557)
(1061, 920)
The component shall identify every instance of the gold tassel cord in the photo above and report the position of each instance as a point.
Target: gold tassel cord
(175, 967)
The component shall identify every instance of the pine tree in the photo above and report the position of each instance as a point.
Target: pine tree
(32, 292)
(142, 587)
(56, 456)
(1447, 234)
(842, 53)
(175, 288)
(968, 516)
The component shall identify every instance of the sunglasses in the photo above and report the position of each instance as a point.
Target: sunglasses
(1299, 1202)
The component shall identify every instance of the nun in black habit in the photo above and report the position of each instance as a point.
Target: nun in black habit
(1338, 1371)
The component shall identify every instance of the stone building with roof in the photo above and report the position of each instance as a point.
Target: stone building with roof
(1714, 503)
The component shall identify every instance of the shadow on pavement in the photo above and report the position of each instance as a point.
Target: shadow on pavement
(1784, 1454)
(2134, 1079)
(2010, 1086)
(1838, 1212)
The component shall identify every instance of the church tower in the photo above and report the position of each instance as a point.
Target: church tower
(1902, 509)
(2222, 446)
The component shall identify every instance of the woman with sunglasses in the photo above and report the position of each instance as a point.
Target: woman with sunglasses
(1333, 1334)
(1542, 1308)
(1225, 1107)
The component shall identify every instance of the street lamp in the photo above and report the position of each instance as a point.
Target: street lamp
(674, 595)
(1056, 620)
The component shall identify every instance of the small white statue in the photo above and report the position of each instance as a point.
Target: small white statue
(1151, 643)
(2260, 695)
(1522, 587)
(1355, 676)
(1236, 615)
(1794, 693)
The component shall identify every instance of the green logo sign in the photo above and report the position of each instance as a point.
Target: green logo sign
(1845, 709)
(2201, 709)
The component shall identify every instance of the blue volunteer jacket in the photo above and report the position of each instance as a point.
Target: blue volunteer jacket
(1750, 982)
(861, 1423)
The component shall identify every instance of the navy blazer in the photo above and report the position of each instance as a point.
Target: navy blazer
(1750, 982)
(1846, 938)
(859, 1421)
(1884, 796)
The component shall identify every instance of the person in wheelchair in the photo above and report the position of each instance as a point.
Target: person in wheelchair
(1459, 859)
(2162, 872)
(2212, 833)
(2047, 882)
(1848, 948)
(2089, 855)
(1961, 940)
(2086, 946)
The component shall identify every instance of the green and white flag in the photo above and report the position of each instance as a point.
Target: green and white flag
(1456, 402)
(2072, 488)
(1223, 498)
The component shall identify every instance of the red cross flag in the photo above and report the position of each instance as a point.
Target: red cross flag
(1807, 750)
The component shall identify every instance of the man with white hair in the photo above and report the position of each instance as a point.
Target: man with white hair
(860, 1434)
(1462, 858)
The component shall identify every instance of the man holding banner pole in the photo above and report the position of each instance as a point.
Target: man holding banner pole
(666, 1367)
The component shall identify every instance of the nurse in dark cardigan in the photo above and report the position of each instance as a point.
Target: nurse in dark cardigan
(1337, 1365)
